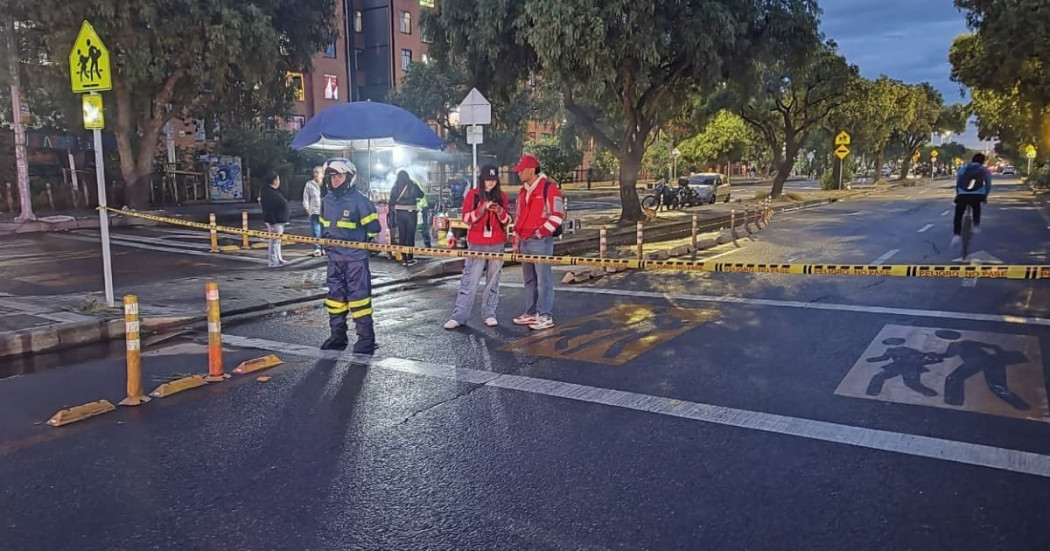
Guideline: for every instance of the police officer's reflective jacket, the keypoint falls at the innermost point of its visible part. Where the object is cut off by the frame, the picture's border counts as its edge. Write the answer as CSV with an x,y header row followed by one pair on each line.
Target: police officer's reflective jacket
x,y
349,217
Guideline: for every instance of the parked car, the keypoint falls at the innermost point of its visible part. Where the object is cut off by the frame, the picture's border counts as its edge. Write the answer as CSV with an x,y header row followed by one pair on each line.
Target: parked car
x,y
711,187
1009,171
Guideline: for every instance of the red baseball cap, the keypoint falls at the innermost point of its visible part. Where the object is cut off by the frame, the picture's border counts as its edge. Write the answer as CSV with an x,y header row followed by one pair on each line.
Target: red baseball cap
x,y
527,161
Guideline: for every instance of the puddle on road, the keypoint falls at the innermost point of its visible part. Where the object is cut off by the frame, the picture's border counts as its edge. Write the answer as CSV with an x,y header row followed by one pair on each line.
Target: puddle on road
x,y
25,365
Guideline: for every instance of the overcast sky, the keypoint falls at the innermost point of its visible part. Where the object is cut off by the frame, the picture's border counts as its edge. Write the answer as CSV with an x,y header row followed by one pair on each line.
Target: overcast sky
x,y
907,40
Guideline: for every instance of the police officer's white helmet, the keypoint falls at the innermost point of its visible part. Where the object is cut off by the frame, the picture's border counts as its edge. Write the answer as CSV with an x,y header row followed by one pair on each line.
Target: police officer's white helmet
x,y
340,166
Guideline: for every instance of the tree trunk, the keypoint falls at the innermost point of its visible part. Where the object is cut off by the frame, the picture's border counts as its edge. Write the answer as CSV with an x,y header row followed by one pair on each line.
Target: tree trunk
x,y
25,195
906,167
880,160
631,207
136,163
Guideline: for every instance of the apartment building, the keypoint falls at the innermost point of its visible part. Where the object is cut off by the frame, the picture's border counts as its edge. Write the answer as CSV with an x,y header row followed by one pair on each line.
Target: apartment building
x,y
385,38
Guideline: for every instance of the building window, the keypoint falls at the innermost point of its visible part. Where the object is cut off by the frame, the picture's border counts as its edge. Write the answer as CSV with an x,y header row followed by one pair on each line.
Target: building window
x,y
330,51
295,82
426,3
406,23
424,35
532,136
406,59
359,21
331,87
296,123
545,135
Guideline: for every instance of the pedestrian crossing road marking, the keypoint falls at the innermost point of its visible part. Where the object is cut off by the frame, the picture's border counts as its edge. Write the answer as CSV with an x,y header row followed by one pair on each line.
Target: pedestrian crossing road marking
x,y
991,373
614,336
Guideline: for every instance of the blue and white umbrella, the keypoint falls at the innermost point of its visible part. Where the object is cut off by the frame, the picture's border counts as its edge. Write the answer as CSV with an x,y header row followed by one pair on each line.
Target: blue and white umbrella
x,y
365,125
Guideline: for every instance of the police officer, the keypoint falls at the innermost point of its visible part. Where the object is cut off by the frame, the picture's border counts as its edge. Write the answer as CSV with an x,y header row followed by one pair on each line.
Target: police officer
x,y
347,215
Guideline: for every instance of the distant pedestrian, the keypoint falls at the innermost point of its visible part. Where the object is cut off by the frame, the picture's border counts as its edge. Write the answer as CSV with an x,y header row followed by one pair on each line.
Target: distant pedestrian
x,y
404,200
485,211
540,213
275,214
312,205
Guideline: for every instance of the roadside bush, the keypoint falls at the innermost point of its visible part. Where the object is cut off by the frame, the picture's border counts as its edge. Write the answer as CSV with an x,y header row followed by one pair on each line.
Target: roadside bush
x,y
1040,177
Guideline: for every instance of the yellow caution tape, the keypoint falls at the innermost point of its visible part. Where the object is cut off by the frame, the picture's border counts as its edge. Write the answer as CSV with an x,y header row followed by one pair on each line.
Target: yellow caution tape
x,y
941,271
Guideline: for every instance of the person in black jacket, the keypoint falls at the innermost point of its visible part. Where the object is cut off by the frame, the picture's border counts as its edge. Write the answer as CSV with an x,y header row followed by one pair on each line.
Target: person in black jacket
x,y
404,201
275,214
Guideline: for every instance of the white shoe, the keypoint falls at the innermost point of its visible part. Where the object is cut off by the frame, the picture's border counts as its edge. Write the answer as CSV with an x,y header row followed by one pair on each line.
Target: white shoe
x,y
452,324
491,322
526,319
956,240
542,322
317,252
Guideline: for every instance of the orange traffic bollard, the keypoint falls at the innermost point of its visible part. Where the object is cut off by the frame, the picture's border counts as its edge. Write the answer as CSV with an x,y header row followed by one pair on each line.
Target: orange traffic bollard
x,y
134,353
639,237
244,225
602,243
696,225
215,371
214,233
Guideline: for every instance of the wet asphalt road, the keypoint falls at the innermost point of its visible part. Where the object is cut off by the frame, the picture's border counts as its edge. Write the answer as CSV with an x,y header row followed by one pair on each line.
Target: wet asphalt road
x,y
666,411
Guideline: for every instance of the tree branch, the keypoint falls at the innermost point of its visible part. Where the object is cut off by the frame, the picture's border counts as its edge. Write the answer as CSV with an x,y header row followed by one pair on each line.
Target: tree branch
x,y
581,116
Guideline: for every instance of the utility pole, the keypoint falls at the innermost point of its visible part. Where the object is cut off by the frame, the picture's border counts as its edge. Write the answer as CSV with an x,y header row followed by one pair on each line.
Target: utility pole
x,y
25,198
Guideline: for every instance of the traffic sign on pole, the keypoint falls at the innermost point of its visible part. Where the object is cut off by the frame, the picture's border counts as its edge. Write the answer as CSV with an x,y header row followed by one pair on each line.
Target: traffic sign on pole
x,y
94,118
89,63
843,138
1029,151
841,152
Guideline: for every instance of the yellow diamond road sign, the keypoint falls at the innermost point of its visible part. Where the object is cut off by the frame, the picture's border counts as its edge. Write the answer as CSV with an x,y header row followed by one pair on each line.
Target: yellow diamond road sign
x,y
1029,151
843,138
841,152
89,63
93,117
934,154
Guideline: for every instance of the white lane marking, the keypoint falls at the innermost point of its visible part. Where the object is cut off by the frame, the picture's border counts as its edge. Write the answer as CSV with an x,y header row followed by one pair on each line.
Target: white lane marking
x,y
792,259
940,314
925,228
858,213
946,213
122,243
882,259
969,282
902,443
727,253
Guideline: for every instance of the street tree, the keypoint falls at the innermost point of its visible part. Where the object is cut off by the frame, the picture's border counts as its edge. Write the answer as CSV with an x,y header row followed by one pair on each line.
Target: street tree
x,y
787,99
1007,55
180,59
623,69
726,139
929,116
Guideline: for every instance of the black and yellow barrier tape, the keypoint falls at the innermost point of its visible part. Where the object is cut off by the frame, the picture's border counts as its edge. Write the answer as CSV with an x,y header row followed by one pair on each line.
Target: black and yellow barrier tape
x,y
925,271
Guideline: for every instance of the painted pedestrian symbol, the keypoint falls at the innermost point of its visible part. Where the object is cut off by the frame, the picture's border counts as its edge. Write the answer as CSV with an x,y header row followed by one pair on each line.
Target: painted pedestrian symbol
x,y
992,373
614,336
89,62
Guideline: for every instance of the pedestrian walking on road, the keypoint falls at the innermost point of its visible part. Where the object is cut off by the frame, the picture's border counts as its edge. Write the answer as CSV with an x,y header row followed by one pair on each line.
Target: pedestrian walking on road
x,y
540,213
312,205
275,214
485,211
404,200
347,215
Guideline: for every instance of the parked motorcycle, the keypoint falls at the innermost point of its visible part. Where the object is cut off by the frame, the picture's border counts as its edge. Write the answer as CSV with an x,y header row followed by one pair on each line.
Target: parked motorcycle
x,y
663,196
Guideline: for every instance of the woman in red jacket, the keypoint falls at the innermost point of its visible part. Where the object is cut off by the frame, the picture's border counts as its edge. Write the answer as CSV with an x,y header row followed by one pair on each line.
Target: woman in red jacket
x,y
486,211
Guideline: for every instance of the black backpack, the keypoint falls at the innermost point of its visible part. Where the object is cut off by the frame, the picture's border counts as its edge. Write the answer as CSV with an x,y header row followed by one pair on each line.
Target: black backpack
x,y
972,178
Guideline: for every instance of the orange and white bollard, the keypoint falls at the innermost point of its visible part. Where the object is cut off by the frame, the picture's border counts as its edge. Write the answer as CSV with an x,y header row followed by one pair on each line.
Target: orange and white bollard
x,y
50,196
134,353
696,225
602,243
244,226
732,219
214,233
215,371
639,236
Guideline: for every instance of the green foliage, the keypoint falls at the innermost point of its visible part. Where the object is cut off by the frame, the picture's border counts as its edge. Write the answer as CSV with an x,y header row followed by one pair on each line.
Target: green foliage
x,y
657,159
558,158
725,139
268,150
605,164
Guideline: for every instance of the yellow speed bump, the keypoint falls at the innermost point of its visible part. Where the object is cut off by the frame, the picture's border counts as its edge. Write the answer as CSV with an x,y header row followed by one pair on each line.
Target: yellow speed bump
x,y
79,413
258,364
178,385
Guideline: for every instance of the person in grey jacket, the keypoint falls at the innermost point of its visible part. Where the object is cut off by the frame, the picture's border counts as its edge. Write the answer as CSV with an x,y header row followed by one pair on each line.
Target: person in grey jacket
x,y
275,214
312,205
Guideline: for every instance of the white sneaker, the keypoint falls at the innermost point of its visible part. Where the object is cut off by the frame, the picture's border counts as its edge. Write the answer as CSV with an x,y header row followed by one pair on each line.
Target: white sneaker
x,y
542,322
452,324
956,240
525,319
491,322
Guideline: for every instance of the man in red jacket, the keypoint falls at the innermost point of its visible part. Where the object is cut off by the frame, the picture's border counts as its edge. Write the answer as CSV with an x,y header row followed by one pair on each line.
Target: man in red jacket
x,y
540,213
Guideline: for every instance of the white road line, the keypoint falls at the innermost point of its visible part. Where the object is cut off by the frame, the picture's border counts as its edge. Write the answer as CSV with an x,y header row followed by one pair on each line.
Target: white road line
x,y
925,228
882,259
970,282
122,243
909,312
946,213
727,253
907,444
858,213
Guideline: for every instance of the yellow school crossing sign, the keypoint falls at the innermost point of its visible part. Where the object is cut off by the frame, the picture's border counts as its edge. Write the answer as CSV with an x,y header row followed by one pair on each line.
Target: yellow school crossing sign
x,y
843,138
93,114
89,63
1029,151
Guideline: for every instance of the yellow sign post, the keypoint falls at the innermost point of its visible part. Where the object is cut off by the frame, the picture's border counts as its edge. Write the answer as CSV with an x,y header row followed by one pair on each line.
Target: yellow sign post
x,y
89,73
93,116
89,63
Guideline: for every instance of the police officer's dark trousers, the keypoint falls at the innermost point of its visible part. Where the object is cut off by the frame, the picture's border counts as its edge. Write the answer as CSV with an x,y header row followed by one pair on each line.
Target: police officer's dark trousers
x,y
350,294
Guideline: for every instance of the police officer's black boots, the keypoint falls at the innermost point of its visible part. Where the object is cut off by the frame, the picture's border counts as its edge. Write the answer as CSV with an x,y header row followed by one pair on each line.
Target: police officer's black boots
x,y
335,342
